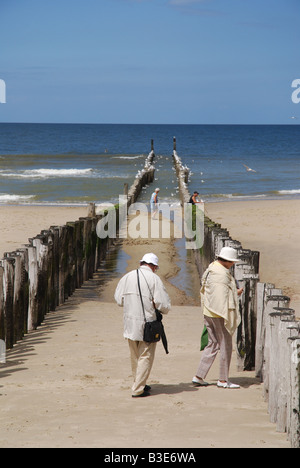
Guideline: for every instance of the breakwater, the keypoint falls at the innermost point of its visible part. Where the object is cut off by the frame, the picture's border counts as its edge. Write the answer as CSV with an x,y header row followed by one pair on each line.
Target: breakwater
x,y
268,338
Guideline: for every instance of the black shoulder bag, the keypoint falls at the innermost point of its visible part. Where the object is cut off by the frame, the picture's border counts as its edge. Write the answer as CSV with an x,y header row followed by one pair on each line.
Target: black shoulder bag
x,y
153,331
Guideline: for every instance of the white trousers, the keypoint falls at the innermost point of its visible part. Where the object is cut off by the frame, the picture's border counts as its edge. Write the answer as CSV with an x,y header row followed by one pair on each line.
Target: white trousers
x,y
142,357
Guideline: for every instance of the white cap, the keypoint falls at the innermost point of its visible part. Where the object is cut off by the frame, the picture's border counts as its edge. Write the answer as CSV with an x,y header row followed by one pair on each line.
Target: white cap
x,y
157,190
229,254
150,258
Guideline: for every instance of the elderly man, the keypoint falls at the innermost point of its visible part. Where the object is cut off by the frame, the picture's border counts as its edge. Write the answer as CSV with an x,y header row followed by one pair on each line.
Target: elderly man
x,y
219,299
154,296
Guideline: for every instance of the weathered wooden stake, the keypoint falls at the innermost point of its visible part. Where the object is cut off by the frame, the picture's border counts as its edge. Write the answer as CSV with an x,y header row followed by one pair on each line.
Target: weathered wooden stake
x,y
294,394
92,210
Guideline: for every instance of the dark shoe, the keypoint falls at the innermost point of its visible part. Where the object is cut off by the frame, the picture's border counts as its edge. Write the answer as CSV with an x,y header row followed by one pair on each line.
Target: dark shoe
x,y
144,394
147,388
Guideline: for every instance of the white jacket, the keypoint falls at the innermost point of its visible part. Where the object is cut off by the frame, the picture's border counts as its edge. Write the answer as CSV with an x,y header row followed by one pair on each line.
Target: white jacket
x,y
127,295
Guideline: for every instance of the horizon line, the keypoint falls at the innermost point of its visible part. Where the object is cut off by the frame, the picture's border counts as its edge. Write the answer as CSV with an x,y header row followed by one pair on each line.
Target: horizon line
x,y
131,123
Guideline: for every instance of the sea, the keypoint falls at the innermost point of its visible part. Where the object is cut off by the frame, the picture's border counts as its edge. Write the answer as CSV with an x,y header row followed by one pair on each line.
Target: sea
x,y
75,164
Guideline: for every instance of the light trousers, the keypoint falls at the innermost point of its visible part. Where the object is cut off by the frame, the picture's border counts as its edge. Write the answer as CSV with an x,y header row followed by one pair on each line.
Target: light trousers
x,y
219,339
142,356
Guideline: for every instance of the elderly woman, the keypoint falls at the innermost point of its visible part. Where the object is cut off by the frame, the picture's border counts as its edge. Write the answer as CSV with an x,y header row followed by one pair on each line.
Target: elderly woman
x,y
219,300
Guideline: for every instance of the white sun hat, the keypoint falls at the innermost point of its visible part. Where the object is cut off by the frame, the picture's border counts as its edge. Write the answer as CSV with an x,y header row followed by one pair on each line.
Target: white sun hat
x,y
229,254
150,258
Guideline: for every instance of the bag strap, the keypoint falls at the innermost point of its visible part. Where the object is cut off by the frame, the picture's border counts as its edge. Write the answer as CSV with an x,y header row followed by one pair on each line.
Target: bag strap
x,y
148,286
158,314
203,283
138,280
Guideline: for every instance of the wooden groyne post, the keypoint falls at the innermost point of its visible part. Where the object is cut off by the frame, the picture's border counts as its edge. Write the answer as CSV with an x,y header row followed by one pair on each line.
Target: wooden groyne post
x,y
143,177
182,173
277,362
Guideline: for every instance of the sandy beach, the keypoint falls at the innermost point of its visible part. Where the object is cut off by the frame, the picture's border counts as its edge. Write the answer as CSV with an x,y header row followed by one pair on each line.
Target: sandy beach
x,y
68,383
273,228
21,222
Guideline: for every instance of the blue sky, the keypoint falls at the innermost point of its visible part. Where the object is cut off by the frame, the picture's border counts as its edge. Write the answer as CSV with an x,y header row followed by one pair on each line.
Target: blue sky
x,y
150,61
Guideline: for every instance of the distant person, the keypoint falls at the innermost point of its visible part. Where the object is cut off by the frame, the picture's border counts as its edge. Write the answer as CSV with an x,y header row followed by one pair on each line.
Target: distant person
x,y
154,202
194,198
220,305
154,296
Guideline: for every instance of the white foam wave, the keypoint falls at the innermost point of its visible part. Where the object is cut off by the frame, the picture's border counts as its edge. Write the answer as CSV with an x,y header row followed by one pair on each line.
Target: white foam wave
x,y
57,172
6,198
47,173
289,192
60,173
129,157
231,196
244,196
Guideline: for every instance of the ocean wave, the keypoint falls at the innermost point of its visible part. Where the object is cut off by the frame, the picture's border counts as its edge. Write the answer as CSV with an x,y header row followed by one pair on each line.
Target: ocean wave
x,y
60,173
57,172
129,157
6,198
46,173
289,192
233,195
238,196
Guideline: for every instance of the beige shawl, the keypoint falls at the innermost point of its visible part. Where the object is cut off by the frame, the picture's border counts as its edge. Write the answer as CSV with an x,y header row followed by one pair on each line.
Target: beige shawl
x,y
219,295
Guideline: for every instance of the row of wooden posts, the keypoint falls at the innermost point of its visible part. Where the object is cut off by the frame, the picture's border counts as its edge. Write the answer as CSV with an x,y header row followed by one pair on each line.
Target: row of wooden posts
x,y
268,339
40,276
